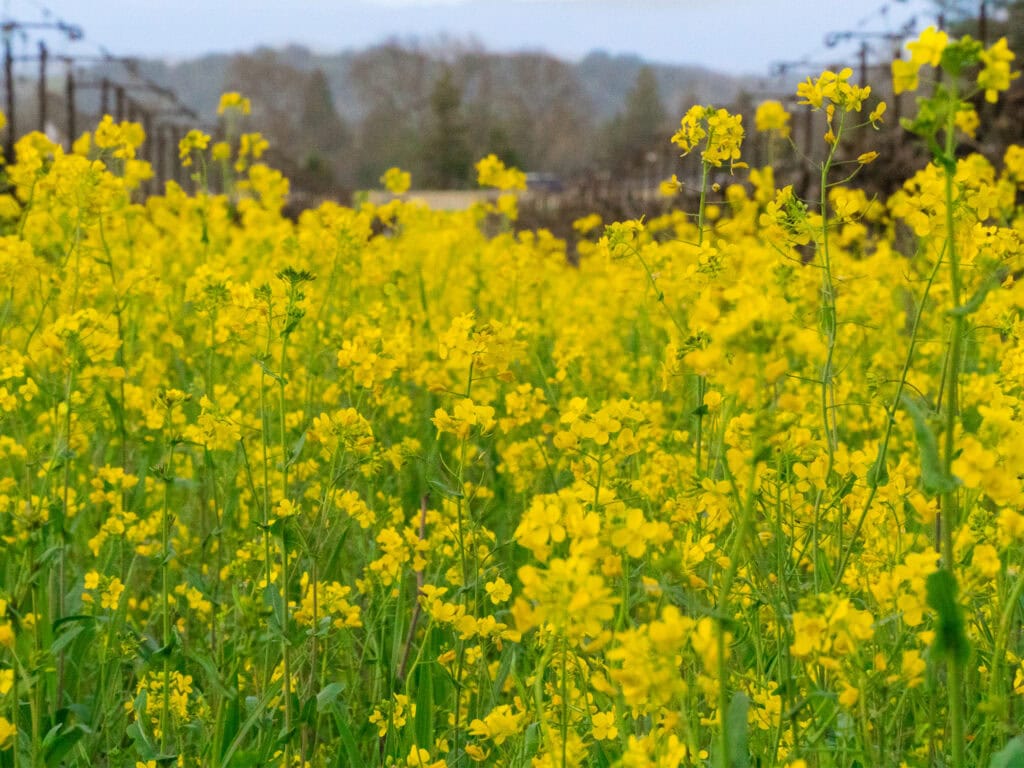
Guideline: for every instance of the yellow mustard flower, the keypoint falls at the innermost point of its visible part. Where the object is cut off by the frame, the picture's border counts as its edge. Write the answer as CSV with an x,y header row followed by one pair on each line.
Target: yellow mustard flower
x,y
396,181
232,100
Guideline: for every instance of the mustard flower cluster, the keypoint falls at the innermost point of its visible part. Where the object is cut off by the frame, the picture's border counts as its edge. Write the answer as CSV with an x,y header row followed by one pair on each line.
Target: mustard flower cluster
x,y
393,486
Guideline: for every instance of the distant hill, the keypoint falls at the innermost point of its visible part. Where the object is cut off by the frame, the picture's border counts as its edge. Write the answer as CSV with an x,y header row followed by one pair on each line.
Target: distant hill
x,y
336,121
605,78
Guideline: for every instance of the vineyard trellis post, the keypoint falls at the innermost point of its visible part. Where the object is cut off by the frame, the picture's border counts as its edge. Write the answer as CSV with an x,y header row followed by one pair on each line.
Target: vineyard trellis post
x,y
9,86
69,92
44,55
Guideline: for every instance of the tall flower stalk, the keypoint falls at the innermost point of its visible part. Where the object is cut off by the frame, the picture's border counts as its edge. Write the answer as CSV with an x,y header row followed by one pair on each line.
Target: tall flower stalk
x,y
938,120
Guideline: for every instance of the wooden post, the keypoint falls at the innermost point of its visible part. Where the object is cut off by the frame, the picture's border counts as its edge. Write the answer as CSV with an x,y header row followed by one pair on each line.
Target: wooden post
x,y
69,93
805,175
179,170
9,80
43,56
896,97
104,97
147,127
147,150
160,150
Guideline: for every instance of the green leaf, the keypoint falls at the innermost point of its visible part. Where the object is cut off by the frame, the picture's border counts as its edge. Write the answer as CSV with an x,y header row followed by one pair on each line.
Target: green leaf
x,y
137,730
448,491
933,477
48,556
231,720
531,741
508,658
424,722
115,409
848,482
258,707
878,475
285,735
267,371
1010,756
297,450
348,740
603,761
974,303
65,638
78,617
736,723
272,599
68,628
165,652
950,635
959,55
59,741
212,673
246,758
328,695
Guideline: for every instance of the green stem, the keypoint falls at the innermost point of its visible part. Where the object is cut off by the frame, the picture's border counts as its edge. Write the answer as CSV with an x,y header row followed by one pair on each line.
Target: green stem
x,y
268,570
701,379
950,505
828,293
659,295
875,480
702,204
722,610
165,583
565,703
460,517
285,652
36,700
829,323
997,680
8,306
119,354
460,499
282,383
538,688
61,533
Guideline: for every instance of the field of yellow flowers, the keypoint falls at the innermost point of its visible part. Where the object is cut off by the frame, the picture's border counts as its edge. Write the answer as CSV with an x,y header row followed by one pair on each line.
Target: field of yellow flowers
x,y
387,486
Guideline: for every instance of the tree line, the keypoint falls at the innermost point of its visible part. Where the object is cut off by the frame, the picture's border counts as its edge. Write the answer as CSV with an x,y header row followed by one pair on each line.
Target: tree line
x,y
337,122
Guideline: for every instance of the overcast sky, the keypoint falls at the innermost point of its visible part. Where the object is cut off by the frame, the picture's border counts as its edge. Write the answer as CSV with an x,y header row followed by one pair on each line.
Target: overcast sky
x,y
737,36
